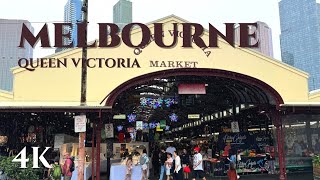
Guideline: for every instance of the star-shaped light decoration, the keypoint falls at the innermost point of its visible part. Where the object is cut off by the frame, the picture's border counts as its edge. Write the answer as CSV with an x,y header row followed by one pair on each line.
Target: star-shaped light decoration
x,y
167,128
143,101
157,103
152,125
132,118
119,128
173,117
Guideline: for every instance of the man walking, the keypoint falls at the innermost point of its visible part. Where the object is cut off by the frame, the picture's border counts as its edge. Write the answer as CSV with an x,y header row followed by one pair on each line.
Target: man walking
x,y
197,165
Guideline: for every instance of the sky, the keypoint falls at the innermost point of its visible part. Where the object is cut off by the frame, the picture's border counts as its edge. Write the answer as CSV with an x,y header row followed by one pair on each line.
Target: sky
x,y
204,12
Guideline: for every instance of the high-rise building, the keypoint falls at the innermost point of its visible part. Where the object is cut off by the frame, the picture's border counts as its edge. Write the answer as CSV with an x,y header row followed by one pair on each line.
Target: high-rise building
x,y
122,13
263,34
300,37
10,53
72,14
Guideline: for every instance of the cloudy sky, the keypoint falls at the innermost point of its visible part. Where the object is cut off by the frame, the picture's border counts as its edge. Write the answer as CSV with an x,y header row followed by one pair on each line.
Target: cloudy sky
x,y
204,12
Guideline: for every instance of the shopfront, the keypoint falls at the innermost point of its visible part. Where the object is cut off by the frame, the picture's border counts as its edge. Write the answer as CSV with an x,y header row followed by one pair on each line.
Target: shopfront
x,y
226,95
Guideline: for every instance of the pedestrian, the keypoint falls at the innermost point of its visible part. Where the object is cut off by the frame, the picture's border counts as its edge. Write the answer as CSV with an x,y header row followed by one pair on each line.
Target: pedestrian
x,y
197,165
168,163
170,149
66,169
129,168
178,168
232,173
270,160
163,158
144,160
55,171
185,164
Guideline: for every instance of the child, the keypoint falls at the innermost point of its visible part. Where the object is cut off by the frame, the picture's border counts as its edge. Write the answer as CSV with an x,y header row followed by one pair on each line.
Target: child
x,y
232,173
168,165
129,168
55,172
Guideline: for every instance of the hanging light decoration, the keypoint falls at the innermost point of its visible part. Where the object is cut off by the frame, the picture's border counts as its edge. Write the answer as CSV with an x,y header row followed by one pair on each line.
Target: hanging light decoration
x,y
157,103
167,128
169,102
173,117
145,125
119,128
143,101
132,118
152,125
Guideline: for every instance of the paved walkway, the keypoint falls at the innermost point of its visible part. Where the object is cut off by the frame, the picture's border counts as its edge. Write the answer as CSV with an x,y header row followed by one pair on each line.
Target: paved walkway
x,y
293,176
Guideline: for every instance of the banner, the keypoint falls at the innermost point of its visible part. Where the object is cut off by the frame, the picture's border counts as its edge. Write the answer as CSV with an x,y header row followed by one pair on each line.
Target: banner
x,y
109,130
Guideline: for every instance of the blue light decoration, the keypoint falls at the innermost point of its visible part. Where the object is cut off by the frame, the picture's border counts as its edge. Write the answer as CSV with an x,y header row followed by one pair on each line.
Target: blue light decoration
x,y
169,102
143,101
119,128
173,117
132,118
157,103
167,128
152,125
145,125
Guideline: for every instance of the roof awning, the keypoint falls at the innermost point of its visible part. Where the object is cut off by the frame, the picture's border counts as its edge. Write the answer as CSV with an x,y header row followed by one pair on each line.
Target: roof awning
x,y
51,107
301,107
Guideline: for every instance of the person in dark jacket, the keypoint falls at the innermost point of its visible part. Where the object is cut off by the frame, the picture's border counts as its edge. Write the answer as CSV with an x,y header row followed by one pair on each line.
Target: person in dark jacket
x,y
162,159
185,164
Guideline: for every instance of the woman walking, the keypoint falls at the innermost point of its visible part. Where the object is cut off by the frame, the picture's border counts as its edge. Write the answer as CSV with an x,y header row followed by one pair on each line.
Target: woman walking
x,y
185,164
178,169
144,160
129,168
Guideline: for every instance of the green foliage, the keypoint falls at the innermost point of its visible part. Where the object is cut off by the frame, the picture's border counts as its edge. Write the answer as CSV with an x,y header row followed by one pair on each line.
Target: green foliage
x,y
14,171
316,160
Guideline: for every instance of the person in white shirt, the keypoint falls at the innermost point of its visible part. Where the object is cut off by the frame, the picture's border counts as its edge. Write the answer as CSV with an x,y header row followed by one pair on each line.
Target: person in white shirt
x,y
178,169
197,165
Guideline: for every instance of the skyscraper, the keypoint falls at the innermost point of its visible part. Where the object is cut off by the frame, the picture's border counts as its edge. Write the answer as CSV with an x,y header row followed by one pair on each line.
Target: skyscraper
x,y
122,13
72,14
10,33
300,37
264,35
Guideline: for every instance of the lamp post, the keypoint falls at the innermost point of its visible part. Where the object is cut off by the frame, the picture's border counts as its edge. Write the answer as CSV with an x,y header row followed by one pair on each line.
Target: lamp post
x,y
82,135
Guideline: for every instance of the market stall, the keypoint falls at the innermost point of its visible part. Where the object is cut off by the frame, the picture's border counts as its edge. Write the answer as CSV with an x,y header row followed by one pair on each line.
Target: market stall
x,y
251,149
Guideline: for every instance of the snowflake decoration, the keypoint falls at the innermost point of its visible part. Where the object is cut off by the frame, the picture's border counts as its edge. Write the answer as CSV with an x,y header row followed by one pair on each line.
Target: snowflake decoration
x,y
167,128
132,117
157,103
173,117
143,101
152,125
145,125
169,102
119,128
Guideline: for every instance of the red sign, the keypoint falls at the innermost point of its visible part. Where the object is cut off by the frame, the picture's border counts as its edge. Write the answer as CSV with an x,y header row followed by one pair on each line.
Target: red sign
x,y
192,89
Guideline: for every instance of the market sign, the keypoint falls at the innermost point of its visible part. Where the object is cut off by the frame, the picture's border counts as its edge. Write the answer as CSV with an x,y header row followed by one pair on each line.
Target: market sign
x,y
193,116
80,123
119,116
192,89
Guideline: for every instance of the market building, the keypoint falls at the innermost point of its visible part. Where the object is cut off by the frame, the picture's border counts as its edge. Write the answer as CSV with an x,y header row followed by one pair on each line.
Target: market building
x,y
216,98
